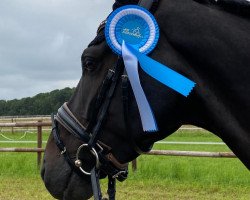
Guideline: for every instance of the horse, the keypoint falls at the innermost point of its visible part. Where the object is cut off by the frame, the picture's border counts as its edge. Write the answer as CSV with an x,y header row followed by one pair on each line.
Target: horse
x,y
207,41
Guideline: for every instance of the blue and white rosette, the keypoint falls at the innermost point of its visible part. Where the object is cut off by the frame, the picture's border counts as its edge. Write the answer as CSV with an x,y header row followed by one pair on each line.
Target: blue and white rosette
x,y
132,32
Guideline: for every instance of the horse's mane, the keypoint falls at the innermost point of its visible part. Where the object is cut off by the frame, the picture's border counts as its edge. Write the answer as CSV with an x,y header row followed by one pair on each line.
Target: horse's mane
x,y
238,7
228,3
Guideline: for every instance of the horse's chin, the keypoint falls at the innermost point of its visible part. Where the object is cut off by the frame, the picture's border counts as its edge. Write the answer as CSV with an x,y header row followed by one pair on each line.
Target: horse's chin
x,y
64,184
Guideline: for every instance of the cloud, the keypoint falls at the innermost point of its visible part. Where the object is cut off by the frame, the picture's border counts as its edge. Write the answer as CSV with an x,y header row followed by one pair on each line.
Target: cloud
x,y
41,43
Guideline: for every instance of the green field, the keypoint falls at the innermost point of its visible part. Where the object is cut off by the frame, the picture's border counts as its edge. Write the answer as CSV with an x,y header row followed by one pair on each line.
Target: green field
x,y
157,177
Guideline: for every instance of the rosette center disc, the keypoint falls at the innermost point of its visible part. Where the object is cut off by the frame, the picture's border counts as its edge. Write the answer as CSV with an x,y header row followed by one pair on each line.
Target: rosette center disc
x,y
134,25
132,29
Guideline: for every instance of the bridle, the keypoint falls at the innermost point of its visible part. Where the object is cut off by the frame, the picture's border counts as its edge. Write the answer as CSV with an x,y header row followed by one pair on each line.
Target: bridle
x,y
104,160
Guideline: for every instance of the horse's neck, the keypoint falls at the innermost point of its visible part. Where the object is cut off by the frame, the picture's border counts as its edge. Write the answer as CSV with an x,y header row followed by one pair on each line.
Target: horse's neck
x,y
220,104
223,89
224,112
216,46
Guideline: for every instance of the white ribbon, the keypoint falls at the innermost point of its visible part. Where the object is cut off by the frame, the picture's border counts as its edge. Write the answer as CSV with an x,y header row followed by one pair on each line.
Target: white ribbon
x,y
131,65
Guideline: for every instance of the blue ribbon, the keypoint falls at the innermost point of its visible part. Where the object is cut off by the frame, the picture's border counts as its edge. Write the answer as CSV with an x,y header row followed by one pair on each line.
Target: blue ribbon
x,y
158,71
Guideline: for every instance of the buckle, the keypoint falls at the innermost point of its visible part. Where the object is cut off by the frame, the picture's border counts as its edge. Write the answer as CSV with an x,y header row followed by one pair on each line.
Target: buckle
x,y
121,175
63,151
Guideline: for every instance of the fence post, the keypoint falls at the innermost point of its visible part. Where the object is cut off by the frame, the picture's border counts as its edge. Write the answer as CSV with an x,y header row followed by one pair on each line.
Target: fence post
x,y
39,144
134,165
12,128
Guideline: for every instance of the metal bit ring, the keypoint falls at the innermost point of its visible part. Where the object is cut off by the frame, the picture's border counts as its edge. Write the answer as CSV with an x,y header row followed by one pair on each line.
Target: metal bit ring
x,y
78,162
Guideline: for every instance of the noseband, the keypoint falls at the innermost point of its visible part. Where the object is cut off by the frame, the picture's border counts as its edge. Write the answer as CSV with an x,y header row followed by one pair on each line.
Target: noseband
x,y
104,160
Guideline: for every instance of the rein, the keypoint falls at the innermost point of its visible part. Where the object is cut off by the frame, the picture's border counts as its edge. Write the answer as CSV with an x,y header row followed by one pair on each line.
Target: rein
x,y
105,161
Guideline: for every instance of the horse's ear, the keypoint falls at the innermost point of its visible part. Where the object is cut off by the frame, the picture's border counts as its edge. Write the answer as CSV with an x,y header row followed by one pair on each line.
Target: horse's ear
x,y
119,3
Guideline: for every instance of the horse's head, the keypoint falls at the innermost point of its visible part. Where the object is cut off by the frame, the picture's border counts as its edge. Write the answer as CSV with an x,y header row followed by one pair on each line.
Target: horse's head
x,y
104,107
122,130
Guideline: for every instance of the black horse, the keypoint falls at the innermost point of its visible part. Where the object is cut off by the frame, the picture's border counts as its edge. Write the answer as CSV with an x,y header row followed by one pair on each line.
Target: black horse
x,y
207,41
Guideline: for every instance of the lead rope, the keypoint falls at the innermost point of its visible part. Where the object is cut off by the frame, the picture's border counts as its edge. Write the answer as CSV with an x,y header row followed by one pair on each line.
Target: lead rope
x,y
95,181
111,188
96,184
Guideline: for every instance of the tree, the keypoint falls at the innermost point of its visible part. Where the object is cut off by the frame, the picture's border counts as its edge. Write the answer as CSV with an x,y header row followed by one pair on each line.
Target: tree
x,y
41,104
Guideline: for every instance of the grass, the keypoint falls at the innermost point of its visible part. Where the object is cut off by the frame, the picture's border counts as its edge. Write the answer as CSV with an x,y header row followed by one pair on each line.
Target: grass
x,y
157,177
23,188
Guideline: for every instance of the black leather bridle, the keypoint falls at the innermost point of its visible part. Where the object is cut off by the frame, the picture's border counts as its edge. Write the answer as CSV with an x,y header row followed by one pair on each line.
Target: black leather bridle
x,y
105,161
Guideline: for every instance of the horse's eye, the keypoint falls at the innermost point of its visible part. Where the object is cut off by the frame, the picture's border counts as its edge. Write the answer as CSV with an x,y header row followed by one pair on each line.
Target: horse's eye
x,y
89,63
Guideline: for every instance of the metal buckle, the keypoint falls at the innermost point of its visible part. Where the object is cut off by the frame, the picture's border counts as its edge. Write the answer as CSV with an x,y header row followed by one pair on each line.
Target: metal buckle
x,y
112,71
63,151
124,76
78,162
120,173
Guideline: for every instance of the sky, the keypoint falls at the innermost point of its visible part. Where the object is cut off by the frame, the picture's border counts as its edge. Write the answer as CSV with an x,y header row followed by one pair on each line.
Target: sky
x,y
41,42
